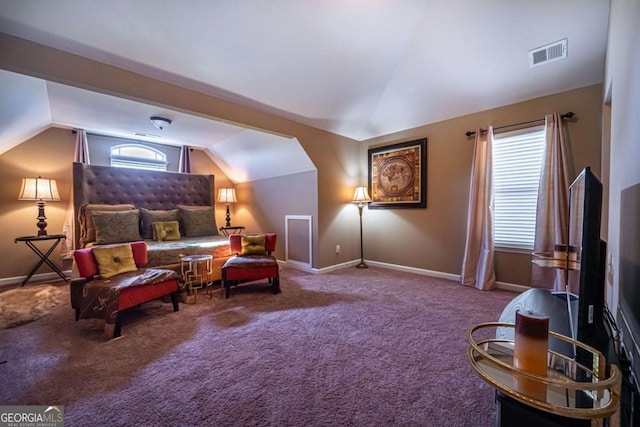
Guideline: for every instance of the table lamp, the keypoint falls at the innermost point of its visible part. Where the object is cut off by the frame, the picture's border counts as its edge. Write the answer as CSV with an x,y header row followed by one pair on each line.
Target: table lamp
x,y
227,195
361,197
40,189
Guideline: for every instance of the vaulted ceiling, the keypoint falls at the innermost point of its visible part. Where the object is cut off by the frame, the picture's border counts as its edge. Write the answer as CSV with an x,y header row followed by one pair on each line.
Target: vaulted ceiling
x,y
353,67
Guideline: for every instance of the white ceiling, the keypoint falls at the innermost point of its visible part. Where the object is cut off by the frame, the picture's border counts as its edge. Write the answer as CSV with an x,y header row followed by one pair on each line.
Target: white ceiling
x,y
359,68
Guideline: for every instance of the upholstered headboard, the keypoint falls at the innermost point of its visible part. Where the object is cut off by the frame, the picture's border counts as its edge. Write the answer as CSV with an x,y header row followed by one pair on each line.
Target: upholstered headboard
x,y
142,188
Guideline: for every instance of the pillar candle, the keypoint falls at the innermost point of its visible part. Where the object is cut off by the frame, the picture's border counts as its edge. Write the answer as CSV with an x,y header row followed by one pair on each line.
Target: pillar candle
x,y
530,351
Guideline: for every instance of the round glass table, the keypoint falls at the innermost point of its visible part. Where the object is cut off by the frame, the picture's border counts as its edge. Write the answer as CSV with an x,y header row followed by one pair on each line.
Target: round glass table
x,y
570,389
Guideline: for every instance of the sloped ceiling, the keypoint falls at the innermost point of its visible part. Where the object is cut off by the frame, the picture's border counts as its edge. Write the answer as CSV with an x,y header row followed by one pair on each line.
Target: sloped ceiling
x,y
356,68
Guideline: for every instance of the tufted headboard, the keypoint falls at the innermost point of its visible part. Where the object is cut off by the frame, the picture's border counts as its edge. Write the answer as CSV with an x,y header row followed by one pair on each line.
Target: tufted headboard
x,y
142,188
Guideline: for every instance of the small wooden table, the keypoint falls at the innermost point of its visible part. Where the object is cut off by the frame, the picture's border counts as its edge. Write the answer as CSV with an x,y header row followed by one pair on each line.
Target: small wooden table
x,y
44,256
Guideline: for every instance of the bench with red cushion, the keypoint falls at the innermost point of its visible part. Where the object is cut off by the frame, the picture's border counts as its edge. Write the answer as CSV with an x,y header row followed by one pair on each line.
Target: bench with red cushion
x,y
92,297
246,268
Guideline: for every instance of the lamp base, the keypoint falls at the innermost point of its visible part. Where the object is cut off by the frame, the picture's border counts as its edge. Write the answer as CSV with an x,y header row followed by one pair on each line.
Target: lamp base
x,y
362,265
42,224
228,217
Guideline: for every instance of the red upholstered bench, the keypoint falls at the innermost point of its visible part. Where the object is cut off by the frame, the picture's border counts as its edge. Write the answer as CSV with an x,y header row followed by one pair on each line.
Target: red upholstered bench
x,y
243,268
106,298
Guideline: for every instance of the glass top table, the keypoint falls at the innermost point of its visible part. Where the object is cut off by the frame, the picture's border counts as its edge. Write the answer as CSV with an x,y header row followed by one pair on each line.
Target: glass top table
x,y
569,389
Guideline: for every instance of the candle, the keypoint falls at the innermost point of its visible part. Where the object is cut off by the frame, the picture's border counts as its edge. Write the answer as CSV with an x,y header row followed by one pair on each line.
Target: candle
x,y
530,352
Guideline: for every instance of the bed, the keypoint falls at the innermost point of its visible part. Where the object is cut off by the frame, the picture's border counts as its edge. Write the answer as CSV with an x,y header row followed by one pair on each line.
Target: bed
x,y
119,193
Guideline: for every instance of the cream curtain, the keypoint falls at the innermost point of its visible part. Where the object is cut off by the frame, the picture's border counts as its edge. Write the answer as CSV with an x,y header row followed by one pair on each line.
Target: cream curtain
x,y
552,217
185,159
81,156
478,266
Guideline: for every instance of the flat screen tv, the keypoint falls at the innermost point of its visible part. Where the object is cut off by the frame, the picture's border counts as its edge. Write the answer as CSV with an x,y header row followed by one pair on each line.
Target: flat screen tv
x,y
585,206
629,275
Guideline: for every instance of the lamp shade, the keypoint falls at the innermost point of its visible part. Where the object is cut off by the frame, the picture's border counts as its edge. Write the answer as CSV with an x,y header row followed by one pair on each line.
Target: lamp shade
x,y
227,195
39,189
361,195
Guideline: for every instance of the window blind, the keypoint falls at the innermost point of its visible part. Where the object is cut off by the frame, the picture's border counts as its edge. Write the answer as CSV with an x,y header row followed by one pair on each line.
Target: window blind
x,y
517,161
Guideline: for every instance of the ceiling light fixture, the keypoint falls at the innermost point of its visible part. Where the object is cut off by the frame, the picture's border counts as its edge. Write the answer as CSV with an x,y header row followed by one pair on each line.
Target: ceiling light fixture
x,y
160,122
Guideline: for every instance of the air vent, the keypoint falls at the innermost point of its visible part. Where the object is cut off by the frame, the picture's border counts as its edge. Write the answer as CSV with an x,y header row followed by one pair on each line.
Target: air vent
x,y
146,135
549,53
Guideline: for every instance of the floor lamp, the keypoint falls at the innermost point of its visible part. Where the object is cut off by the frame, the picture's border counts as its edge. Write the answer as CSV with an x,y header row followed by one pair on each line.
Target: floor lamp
x,y
361,197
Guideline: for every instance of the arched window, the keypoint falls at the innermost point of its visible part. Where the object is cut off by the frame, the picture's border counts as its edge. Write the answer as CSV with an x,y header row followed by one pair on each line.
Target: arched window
x,y
137,156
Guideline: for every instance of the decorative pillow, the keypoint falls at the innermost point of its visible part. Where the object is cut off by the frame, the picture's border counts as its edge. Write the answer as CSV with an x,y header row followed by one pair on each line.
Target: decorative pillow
x,y
198,221
116,227
114,260
166,230
87,227
148,217
253,245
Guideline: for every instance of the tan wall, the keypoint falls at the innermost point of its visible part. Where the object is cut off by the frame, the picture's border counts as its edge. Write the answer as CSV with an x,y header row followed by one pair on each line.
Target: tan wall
x,y
263,204
49,155
334,156
431,239
434,238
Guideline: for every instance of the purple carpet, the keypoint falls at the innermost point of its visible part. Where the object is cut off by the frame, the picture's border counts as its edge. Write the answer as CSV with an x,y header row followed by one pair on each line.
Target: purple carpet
x,y
356,347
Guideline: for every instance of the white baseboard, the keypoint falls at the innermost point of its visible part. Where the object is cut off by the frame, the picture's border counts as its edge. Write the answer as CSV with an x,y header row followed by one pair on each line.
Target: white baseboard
x,y
312,270
511,287
53,276
421,271
414,270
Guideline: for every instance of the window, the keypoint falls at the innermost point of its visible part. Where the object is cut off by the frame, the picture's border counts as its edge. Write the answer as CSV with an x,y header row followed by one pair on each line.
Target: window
x,y
137,156
517,161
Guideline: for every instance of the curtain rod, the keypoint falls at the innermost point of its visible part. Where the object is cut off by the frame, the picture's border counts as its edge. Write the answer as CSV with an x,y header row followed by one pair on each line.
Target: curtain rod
x,y
568,115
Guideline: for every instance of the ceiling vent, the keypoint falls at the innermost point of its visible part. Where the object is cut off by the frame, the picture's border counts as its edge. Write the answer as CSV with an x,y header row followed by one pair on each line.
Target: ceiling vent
x,y
549,53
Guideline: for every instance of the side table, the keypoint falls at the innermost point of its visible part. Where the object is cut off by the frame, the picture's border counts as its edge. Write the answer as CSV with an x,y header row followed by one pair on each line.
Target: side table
x,y
196,272
44,256
231,230
569,400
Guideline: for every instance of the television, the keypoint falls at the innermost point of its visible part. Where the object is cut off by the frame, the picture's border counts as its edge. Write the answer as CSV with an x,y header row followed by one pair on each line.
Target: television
x,y
587,281
628,317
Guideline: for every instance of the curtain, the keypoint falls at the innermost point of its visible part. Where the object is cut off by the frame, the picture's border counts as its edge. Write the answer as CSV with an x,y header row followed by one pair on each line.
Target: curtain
x,y
81,156
552,214
477,265
185,159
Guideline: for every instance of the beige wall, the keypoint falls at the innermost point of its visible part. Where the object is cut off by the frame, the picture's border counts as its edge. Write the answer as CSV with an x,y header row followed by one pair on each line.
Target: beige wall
x,y
434,238
263,204
334,156
431,239
49,155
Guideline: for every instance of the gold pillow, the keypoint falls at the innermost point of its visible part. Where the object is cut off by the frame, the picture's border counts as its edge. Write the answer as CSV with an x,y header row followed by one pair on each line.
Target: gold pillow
x,y
166,230
113,260
253,245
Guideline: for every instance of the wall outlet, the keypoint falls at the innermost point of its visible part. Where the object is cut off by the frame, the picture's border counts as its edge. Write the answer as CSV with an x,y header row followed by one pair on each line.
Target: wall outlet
x,y
337,249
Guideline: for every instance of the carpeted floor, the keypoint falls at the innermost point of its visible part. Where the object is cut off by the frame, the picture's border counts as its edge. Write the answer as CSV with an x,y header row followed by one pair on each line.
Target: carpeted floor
x,y
356,347
26,304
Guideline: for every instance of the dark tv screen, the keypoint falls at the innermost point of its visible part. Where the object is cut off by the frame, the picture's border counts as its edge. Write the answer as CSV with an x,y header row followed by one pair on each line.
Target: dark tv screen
x,y
584,235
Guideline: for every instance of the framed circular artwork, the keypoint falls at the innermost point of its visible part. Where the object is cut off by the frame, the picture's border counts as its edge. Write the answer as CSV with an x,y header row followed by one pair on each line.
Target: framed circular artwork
x,y
397,175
